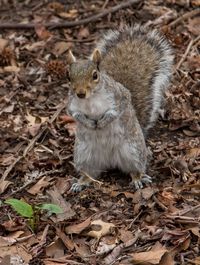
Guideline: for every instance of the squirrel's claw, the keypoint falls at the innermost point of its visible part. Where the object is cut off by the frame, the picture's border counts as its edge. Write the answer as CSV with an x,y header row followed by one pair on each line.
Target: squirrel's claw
x,y
138,182
80,184
77,187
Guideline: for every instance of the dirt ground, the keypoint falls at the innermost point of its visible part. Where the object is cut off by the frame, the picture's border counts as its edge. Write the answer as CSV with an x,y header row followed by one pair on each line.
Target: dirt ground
x,y
109,222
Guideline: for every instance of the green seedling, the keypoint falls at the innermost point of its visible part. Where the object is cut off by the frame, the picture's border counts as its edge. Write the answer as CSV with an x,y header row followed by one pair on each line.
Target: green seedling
x,y
31,212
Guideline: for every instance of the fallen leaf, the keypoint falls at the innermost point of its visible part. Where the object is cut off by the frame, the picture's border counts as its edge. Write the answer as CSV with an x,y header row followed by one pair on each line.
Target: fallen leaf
x,y
65,239
56,198
167,259
55,249
193,152
4,185
125,235
78,228
11,239
3,44
42,32
83,33
10,69
151,257
105,229
193,26
42,183
73,13
61,47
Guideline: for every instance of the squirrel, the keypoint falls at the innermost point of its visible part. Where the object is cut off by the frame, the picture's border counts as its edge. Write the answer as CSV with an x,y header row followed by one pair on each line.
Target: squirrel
x,y
115,96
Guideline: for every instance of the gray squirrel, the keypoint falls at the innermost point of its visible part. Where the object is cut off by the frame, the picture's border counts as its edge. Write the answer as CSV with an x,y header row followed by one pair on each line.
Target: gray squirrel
x,y
115,97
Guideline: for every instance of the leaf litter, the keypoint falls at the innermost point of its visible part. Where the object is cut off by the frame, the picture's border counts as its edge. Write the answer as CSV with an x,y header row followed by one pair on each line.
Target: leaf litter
x,y
110,223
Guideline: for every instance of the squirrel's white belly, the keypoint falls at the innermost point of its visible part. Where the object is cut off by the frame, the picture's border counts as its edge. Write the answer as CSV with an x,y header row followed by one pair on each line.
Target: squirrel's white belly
x,y
101,147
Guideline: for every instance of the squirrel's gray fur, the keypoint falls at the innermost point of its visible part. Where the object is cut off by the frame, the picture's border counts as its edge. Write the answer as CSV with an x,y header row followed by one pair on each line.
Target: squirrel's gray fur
x,y
133,66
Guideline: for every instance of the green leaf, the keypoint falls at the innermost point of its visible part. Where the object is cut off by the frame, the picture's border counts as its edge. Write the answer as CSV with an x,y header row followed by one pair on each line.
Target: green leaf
x,y
21,207
51,208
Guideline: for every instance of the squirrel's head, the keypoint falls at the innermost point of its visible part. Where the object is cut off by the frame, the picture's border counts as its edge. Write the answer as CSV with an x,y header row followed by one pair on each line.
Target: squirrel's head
x,y
84,75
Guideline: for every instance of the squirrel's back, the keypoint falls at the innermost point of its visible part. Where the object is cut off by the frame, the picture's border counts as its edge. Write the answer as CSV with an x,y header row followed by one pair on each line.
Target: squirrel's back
x,y
141,60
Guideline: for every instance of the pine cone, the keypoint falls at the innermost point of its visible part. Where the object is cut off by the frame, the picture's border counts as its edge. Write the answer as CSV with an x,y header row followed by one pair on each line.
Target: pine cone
x,y
6,56
56,69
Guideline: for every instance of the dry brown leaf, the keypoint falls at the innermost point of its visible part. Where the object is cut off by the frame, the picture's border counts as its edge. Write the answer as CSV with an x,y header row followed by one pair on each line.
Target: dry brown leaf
x,y
83,33
194,26
34,123
125,235
55,249
78,228
10,69
3,44
61,47
35,46
147,193
42,32
195,231
136,197
73,13
57,199
42,183
167,259
4,184
195,2
11,239
65,239
13,225
193,152
105,229
151,257
83,250
18,250
195,261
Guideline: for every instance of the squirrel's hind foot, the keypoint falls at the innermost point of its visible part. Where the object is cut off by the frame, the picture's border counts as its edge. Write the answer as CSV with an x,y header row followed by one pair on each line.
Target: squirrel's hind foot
x,y
80,184
139,180
77,187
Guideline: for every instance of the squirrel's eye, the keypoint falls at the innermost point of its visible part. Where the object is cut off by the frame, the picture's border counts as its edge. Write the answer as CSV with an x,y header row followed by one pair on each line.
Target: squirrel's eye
x,y
95,75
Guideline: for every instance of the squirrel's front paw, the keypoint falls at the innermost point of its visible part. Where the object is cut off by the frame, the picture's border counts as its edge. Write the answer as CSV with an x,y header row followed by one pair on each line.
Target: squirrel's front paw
x,y
106,119
91,124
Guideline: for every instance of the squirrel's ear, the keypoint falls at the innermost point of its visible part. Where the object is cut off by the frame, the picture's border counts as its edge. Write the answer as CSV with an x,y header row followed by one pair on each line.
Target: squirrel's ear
x,y
96,56
70,57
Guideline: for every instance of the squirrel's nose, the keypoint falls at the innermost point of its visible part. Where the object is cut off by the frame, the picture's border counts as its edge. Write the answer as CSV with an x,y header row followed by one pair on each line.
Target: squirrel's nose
x,y
81,95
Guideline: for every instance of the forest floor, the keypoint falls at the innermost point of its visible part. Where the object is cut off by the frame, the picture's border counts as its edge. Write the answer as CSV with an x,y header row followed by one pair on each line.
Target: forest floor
x,y
109,222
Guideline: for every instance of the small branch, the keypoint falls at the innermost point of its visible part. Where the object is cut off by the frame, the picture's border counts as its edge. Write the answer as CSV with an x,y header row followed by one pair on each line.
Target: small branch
x,y
68,24
184,17
191,43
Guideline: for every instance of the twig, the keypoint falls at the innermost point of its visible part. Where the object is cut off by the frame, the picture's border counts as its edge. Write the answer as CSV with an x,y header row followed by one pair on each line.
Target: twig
x,y
184,17
76,40
162,206
105,4
191,43
32,143
68,24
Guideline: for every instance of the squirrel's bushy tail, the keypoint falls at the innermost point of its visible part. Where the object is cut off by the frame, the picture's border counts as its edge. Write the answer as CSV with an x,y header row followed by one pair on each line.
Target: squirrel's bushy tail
x,y
141,59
